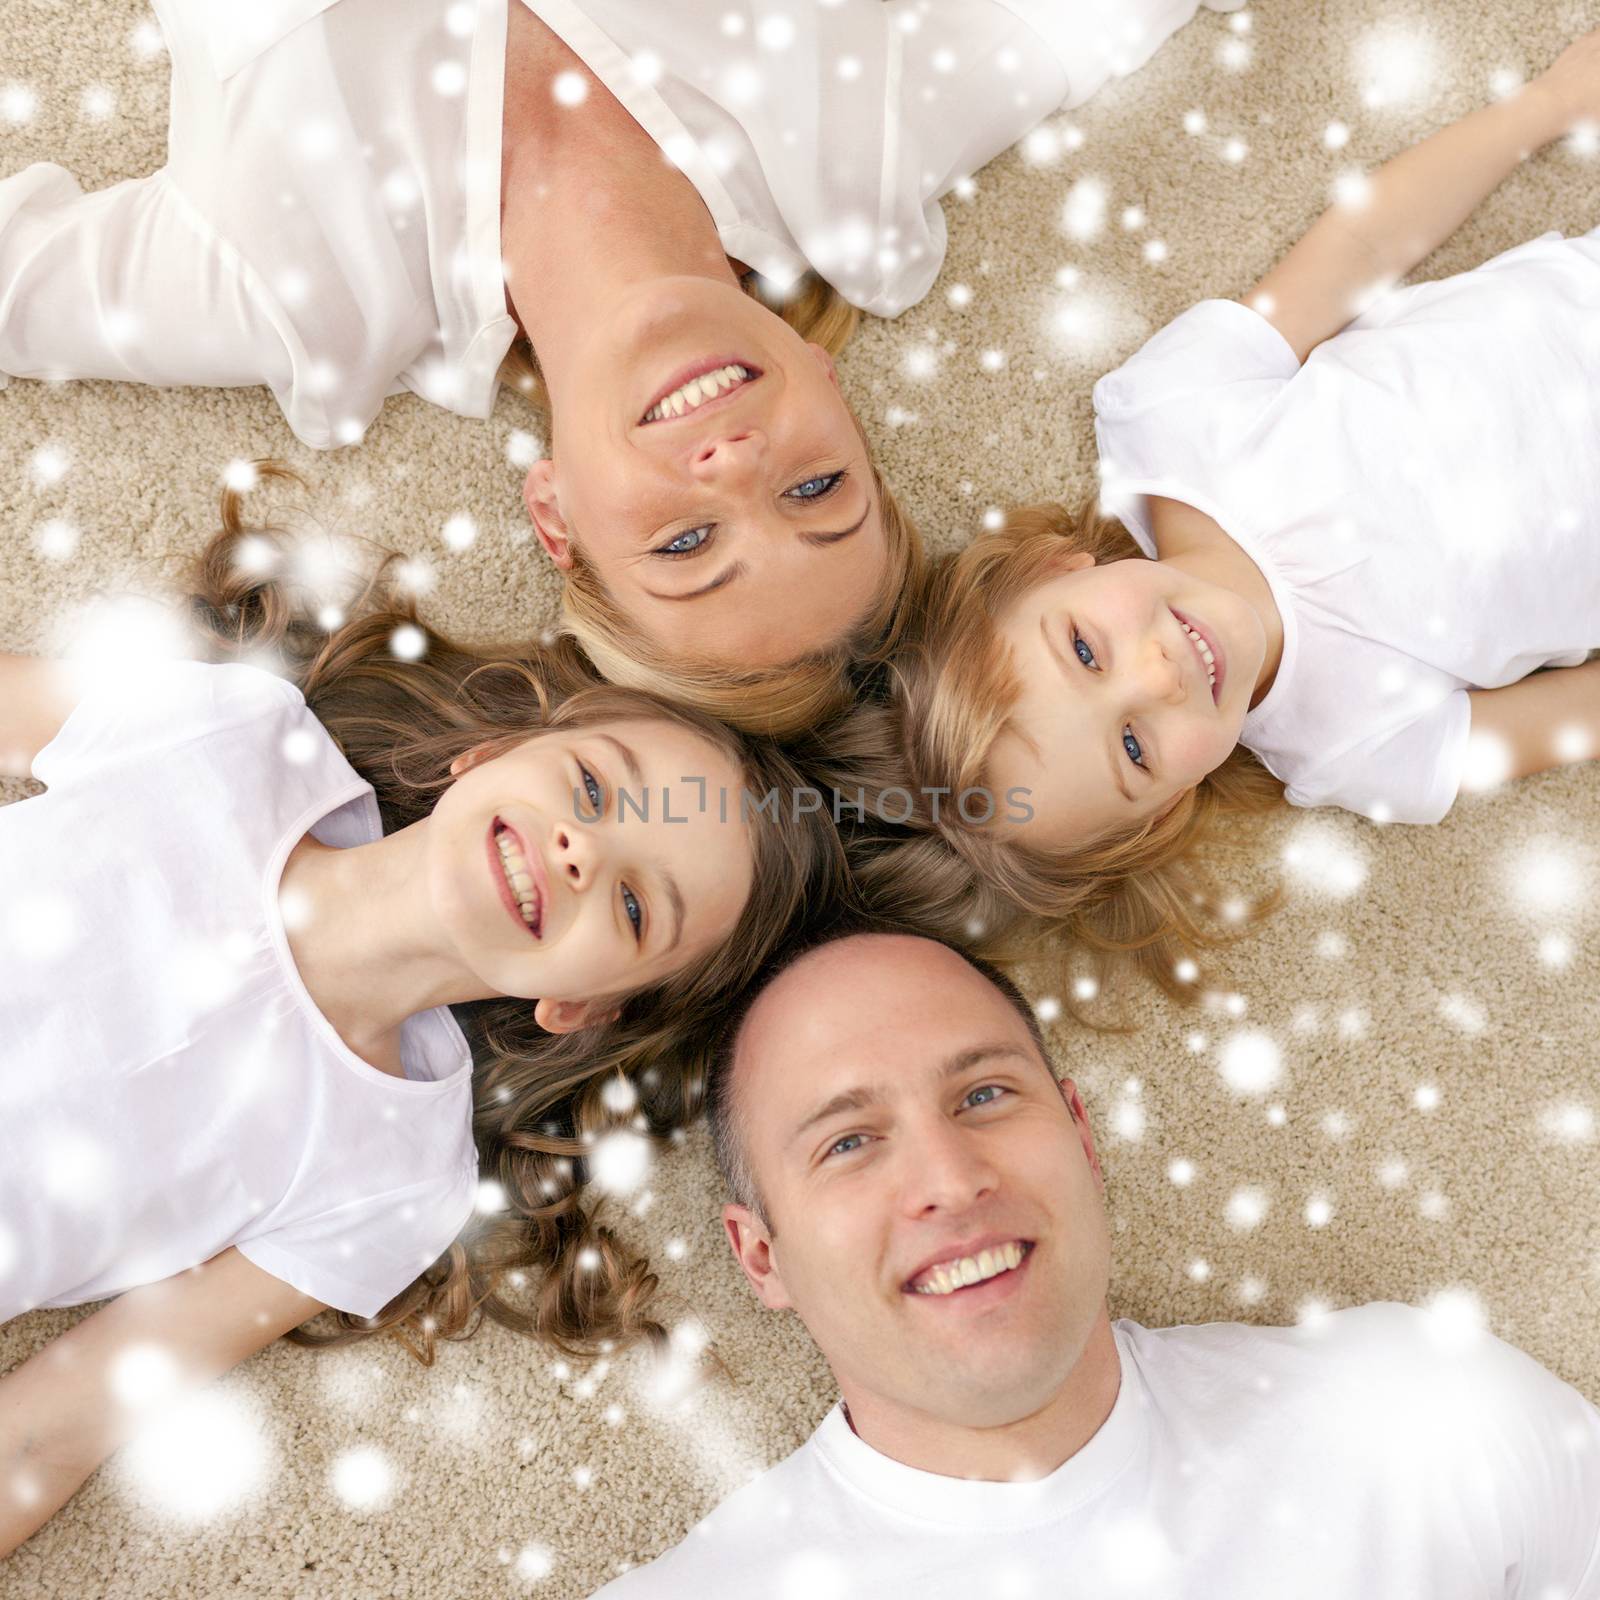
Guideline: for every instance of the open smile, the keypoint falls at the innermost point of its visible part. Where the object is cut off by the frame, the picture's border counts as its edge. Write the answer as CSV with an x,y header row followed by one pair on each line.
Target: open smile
x,y
518,877
993,1268
699,387
1207,651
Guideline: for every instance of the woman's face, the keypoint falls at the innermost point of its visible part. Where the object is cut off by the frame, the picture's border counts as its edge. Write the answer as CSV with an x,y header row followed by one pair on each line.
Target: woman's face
x,y
738,526
1119,713
589,862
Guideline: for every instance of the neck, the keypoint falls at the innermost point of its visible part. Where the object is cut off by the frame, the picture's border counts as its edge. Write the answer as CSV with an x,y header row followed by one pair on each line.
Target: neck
x,y
1031,1447
363,940
589,206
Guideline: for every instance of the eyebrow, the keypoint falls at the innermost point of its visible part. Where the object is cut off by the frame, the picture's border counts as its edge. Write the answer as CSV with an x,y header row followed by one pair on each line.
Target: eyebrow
x,y
629,759
738,569
868,1094
1116,766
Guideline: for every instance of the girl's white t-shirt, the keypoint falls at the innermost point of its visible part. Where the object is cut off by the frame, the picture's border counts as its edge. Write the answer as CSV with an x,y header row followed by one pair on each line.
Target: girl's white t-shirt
x,y
328,221
1367,1456
1423,496
167,1086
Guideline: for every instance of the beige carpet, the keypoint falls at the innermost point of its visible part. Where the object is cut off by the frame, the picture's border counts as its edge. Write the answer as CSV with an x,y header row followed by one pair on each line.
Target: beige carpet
x,y
1433,992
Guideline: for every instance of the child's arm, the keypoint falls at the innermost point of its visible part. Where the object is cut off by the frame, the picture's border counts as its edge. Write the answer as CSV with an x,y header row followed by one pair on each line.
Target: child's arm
x,y
1416,201
1545,720
60,1414
34,701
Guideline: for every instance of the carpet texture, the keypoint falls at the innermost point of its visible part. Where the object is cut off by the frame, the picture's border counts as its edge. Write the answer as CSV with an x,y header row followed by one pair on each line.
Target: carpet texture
x,y
1431,994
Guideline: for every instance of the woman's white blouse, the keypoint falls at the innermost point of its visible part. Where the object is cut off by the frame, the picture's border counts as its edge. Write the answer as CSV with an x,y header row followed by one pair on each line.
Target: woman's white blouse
x,y
328,221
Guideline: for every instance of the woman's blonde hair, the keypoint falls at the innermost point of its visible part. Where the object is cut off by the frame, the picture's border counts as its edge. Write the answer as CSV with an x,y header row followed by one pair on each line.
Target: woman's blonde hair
x,y
781,700
1137,898
540,1100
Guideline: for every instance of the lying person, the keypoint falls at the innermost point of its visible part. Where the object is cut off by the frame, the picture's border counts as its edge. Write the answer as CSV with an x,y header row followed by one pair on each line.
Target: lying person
x,y
295,965
1339,550
912,1182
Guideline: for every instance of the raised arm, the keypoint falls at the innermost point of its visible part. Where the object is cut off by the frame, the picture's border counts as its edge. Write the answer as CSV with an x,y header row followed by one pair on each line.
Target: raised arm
x,y
35,698
60,1415
1413,203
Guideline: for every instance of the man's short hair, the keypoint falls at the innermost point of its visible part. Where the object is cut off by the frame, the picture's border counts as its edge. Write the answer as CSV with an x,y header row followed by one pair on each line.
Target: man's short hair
x,y
722,1110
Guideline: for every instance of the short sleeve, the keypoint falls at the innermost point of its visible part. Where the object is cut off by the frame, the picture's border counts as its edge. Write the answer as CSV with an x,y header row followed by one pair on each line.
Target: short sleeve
x,y
1411,773
138,710
358,1256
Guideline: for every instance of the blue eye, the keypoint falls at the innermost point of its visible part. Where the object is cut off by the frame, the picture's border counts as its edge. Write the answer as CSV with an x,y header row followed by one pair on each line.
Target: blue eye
x,y
993,1090
1133,747
844,1146
633,912
1082,649
676,546
816,488
592,789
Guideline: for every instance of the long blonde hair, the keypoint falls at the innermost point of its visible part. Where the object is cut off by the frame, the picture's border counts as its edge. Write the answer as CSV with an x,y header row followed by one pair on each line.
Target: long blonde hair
x,y
1139,898
540,1100
778,701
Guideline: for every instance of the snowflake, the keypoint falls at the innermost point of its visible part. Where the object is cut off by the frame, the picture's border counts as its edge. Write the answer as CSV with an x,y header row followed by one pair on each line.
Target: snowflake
x,y
1454,1319
1180,1172
490,1197
620,1161
362,1478
1393,1173
1574,742
1488,762
1083,215
408,642
959,295
1568,1123
1246,1209
1324,858
776,33
1336,136
18,104
1352,191
1155,251
1234,151
569,88
1235,54
1128,1120
56,540
1465,1013
1199,1270
1555,950
1319,1211
200,1458
534,1562
1395,66
1544,878
1194,122
459,531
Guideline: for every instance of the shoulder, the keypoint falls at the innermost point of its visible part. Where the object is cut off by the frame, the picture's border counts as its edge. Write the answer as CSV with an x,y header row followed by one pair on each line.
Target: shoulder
x,y
734,1549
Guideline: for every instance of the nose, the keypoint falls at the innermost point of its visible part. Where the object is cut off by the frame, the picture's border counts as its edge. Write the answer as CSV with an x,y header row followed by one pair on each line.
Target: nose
x,y
574,855
728,458
949,1172
1158,672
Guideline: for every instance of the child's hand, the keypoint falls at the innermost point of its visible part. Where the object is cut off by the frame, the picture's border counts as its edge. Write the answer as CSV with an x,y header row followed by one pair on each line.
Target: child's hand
x,y
1570,85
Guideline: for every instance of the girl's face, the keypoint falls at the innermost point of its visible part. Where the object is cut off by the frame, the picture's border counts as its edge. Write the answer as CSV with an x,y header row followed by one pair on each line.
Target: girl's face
x,y
742,526
589,862
1120,710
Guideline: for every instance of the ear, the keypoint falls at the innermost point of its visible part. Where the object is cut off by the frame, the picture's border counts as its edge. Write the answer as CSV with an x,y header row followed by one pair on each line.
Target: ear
x,y
567,1016
752,1249
825,361
539,495
468,759
1075,1107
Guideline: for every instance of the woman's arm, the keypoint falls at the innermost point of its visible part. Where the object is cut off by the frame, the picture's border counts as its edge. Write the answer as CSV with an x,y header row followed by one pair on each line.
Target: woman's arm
x,y
60,1415
1413,203
1546,720
35,698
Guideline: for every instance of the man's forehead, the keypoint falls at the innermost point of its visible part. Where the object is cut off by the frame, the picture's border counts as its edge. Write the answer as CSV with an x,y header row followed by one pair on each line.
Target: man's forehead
x,y
858,998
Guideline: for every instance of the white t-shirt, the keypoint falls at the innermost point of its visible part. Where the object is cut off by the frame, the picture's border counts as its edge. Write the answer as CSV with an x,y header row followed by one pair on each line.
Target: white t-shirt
x,y
167,1086
1423,496
1363,1458
328,221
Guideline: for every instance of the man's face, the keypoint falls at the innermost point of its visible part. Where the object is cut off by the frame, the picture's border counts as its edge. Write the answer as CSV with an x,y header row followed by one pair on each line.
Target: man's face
x,y
905,1135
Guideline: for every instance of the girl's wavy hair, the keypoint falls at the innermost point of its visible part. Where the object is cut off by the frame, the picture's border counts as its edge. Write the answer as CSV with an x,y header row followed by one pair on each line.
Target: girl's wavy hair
x,y
780,701
544,1265
1137,898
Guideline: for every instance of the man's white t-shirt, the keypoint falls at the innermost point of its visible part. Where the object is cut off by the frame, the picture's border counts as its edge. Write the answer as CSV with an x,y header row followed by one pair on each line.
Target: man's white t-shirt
x,y
328,221
1372,1455
167,1086
1423,496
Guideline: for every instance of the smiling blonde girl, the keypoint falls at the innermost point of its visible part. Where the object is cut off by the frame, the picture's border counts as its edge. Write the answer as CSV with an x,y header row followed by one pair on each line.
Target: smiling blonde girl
x,y
288,966
1339,549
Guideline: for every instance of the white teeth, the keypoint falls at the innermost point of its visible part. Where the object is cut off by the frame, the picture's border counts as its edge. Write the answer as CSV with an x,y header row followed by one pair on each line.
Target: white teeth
x,y
518,879
948,1276
697,390
1205,652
